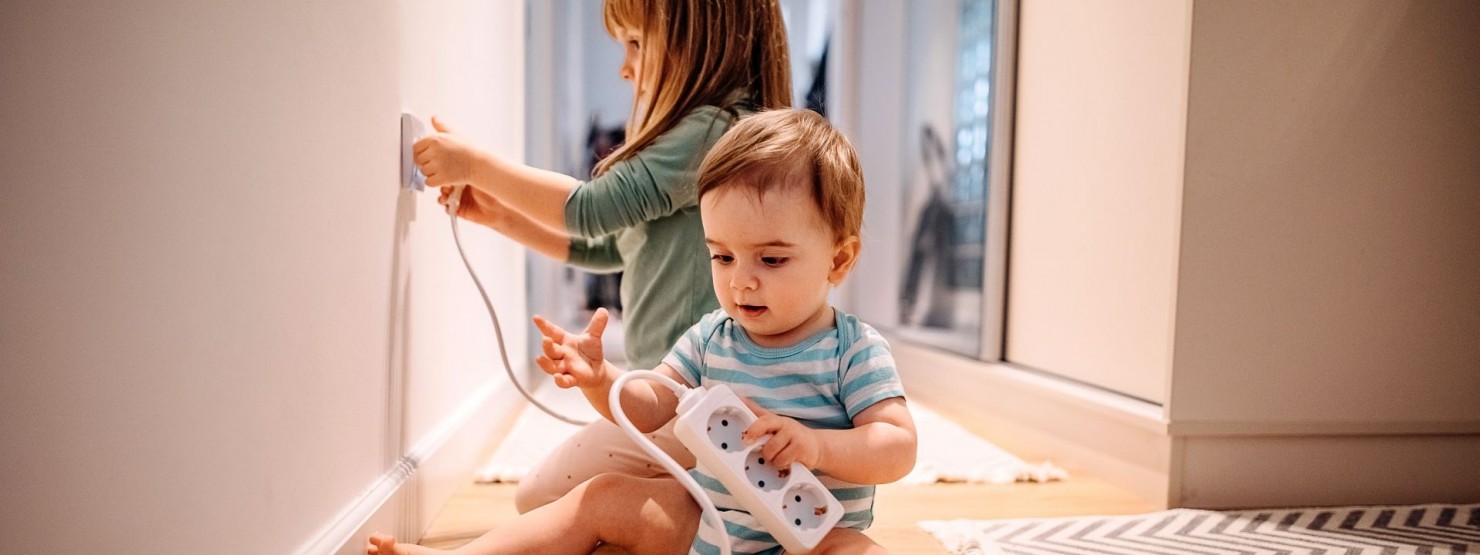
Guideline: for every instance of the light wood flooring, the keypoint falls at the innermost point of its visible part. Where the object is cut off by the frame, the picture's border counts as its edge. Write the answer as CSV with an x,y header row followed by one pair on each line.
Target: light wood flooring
x,y
481,507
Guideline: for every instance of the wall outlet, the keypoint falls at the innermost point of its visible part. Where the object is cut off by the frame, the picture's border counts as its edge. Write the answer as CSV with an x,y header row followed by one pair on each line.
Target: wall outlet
x,y
789,502
412,129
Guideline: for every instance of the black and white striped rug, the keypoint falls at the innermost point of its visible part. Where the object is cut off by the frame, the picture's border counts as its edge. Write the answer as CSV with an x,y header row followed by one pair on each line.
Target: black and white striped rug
x,y
1418,529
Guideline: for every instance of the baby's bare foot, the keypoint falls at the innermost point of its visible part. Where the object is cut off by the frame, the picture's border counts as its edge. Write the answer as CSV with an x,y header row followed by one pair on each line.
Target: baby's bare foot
x,y
382,544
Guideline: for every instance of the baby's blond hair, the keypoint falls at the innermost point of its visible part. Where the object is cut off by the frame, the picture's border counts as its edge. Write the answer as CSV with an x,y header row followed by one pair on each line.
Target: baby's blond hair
x,y
786,148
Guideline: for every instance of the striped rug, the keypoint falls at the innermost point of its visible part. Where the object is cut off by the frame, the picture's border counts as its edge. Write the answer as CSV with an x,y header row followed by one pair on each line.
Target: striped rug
x,y
1393,530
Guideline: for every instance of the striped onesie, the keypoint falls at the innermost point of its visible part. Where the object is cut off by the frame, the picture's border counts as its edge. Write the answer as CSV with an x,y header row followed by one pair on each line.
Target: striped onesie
x,y
822,382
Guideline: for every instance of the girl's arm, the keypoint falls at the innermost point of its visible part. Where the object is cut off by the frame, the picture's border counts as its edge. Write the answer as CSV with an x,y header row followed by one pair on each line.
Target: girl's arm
x,y
538,194
658,182
447,158
532,234
479,207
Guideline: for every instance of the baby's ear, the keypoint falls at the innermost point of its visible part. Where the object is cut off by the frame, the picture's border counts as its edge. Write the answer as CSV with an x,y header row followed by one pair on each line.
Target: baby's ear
x,y
845,255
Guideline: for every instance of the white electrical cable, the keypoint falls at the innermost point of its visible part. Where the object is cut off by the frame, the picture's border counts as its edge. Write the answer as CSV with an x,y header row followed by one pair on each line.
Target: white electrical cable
x,y
614,402
453,202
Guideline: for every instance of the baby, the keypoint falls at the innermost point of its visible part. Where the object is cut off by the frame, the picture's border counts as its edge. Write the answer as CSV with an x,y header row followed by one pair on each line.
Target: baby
x,y
781,200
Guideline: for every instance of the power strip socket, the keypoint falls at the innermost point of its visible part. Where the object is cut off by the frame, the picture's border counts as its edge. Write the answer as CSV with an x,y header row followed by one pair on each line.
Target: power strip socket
x,y
790,503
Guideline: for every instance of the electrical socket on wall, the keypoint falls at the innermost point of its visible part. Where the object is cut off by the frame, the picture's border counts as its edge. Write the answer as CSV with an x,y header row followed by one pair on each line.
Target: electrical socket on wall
x,y
789,502
412,129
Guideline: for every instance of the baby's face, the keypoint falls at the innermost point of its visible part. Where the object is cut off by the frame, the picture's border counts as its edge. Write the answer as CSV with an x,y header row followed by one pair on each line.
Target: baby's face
x,y
772,260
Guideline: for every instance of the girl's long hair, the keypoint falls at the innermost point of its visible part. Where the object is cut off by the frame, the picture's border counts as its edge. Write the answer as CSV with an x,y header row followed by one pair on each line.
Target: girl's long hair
x,y
696,53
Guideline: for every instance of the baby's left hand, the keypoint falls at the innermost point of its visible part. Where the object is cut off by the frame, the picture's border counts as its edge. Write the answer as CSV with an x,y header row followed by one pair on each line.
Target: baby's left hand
x,y
790,441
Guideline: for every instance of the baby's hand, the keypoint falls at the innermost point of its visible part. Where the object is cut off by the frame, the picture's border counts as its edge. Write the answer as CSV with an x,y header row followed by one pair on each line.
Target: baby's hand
x,y
574,360
447,158
790,441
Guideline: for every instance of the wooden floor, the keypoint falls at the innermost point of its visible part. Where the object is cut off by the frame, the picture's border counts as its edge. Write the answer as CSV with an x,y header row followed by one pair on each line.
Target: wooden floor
x,y
479,508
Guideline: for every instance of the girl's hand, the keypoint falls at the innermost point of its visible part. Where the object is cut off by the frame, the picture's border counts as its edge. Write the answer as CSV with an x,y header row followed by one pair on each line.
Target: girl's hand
x,y
574,360
790,440
447,158
476,206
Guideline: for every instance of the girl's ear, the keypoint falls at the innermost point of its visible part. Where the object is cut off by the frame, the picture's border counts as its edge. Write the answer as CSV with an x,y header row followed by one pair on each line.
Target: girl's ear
x,y
845,255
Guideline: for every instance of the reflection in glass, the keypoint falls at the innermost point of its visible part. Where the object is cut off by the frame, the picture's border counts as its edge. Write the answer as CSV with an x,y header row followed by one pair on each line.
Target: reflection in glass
x,y
940,297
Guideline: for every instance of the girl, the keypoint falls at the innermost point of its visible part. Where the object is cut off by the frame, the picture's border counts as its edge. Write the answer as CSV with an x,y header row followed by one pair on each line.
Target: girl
x,y
697,66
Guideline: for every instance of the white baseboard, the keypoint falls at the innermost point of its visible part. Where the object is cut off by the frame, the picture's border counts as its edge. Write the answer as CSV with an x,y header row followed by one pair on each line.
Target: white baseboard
x,y
398,500
1236,472
1116,438
1199,464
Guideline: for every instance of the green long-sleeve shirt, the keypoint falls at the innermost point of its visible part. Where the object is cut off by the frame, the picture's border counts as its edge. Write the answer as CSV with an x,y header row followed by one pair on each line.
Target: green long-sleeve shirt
x,y
642,217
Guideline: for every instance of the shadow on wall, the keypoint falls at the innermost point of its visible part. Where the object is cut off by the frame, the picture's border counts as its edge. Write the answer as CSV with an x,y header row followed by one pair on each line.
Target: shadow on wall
x,y
398,333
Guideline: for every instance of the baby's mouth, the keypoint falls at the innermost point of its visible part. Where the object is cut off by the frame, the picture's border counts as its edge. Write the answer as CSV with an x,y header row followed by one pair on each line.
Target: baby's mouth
x,y
751,310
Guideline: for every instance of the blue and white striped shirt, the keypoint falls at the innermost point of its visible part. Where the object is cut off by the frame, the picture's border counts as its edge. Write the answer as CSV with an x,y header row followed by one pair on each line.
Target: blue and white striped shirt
x,y
823,382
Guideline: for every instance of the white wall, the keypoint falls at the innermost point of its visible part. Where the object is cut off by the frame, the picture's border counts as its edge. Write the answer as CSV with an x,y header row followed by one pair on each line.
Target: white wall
x,y
1330,266
1328,303
1097,176
866,96
463,61
209,276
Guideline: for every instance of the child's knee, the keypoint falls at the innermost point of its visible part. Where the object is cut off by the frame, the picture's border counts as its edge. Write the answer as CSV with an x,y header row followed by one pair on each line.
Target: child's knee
x,y
643,515
608,486
542,488
534,492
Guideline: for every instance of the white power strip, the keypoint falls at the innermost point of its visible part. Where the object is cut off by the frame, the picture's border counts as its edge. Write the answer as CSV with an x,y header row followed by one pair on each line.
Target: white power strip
x,y
790,503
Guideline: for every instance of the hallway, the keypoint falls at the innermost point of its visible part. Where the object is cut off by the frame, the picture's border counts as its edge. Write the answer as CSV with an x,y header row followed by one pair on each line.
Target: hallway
x,y
477,508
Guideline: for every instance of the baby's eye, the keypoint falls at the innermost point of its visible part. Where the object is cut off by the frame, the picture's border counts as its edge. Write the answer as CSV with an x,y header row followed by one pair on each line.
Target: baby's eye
x,y
773,261
722,258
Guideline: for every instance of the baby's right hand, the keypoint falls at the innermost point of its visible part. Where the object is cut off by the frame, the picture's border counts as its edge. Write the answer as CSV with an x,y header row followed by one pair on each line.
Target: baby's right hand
x,y
574,360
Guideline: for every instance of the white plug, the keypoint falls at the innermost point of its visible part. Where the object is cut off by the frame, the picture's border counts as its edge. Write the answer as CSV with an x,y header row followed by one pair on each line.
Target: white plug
x,y
454,200
790,503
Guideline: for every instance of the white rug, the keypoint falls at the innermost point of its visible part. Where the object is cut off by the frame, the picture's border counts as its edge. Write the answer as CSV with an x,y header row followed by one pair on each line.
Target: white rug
x,y
947,452
1391,530
535,434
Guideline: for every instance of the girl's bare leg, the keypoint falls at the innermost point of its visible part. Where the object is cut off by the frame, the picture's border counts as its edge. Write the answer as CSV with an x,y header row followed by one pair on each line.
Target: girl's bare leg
x,y
642,515
598,448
